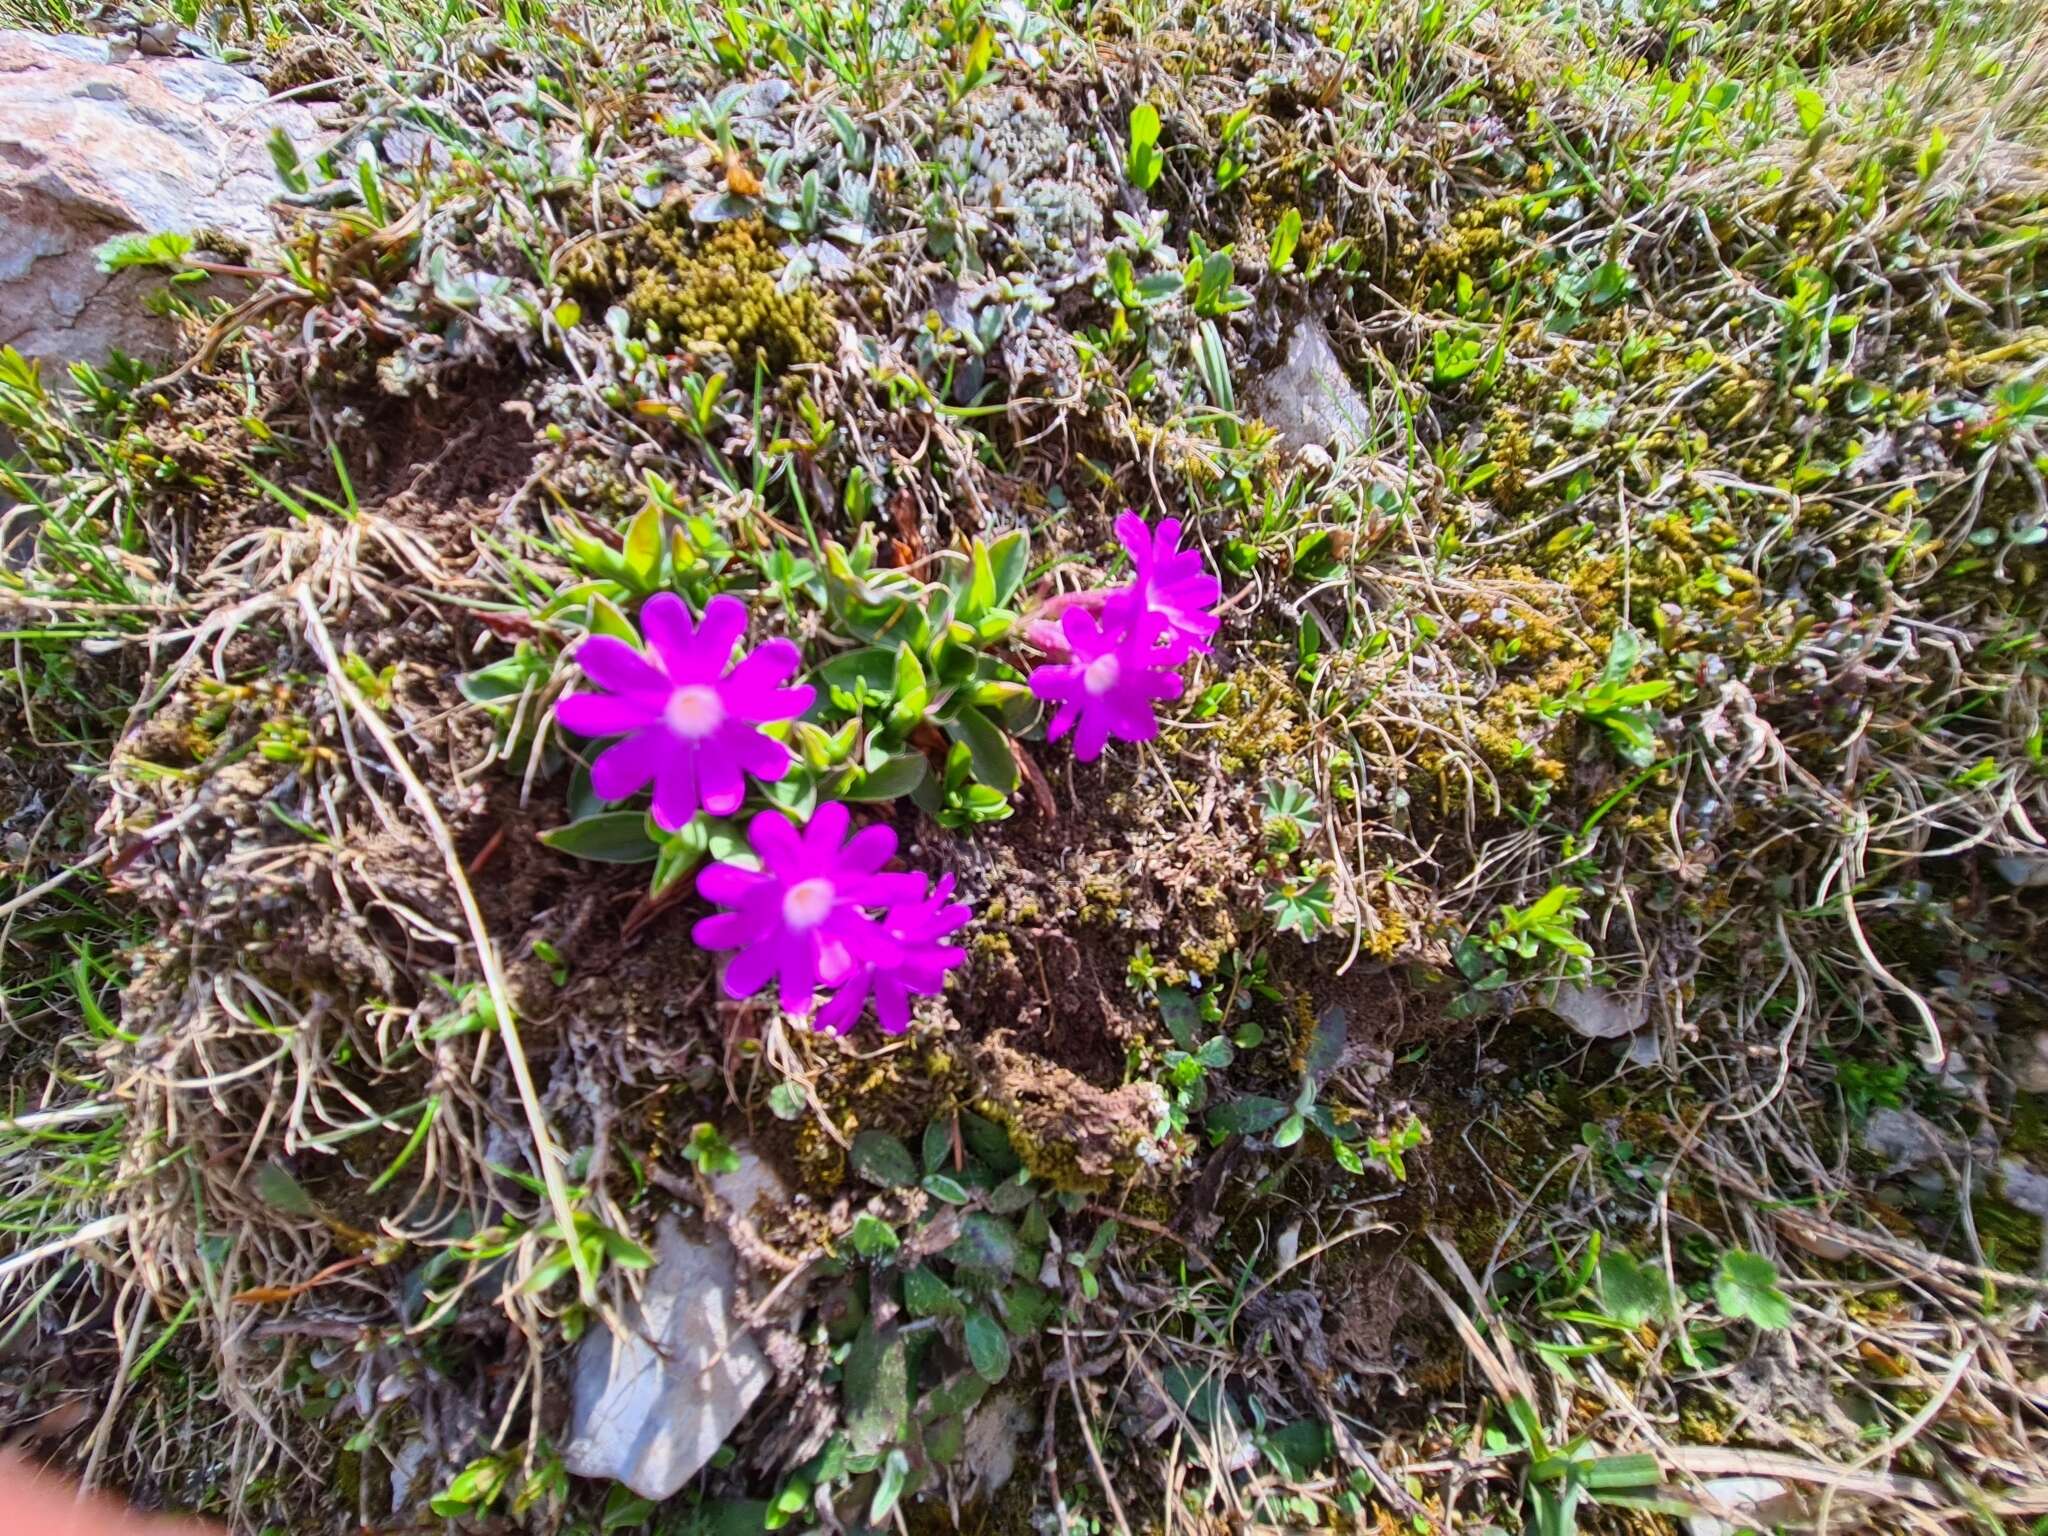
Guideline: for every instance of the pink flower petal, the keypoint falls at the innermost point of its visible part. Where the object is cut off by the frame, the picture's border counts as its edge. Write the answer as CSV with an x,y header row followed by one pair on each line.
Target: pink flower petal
x,y
842,1010
827,830
1055,682
763,668
675,785
748,970
626,767
796,965
724,930
671,633
869,849
774,704
1091,735
603,714
724,621
762,756
778,843
614,665
1133,534
719,779
729,885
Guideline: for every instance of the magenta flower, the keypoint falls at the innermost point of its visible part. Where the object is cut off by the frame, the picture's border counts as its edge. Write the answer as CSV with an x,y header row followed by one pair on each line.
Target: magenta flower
x,y
1169,580
689,723
1121,664
919,969
801,918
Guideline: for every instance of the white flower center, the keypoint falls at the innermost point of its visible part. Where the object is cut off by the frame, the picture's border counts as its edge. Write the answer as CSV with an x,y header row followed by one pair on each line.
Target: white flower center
x,y
694,712
1100,675
808,903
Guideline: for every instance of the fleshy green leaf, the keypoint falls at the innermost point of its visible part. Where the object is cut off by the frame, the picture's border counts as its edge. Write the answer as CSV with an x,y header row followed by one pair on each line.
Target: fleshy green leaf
x,y
610,837
877,1387
881,1159
988,1347
1246,1116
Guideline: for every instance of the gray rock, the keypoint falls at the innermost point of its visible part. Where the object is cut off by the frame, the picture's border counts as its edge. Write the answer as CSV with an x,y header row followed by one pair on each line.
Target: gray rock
x,y
91,148
1308,399
1907,1141
651,1405
2024,870
2025,1188
2029,1062
1598,1013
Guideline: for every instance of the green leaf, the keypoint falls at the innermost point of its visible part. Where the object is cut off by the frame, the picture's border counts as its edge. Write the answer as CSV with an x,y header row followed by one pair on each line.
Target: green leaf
x,y
1009,558
896,1465
276,1188
981,582
1290,1131
1746,1289
872,1237
937,1148
944,1439
877,1389
995,764
1245,1117
1601,1473
897,776
868,675
643,547
1158,288
622,1250
1299,1449
1177,1009
1811,109
910,691
710,1151
284,156
166,250
1144,162
943,1186
926,1295
1623,652
881,1159
989,1142
1144,125
1631,1293
988,1347
1286,236
610,837
986,1246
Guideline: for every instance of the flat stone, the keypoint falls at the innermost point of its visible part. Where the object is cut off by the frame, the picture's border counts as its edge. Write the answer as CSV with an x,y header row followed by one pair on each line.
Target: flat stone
x,y
1907,1141
650,1406
1308,399
92,147
1597,1013
2026,1188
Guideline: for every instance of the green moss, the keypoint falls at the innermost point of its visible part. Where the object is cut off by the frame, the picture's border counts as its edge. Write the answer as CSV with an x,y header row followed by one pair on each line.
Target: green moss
x,y
720,294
